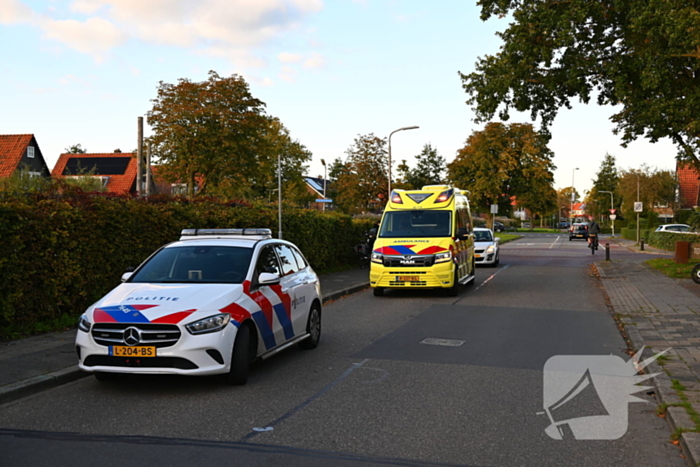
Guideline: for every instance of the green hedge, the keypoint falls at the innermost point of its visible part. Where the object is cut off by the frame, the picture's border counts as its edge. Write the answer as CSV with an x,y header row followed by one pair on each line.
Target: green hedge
x,y
59,254
667,240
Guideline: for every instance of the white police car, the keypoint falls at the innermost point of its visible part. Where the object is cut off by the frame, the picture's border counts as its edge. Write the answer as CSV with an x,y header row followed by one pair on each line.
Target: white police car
x,y
212,302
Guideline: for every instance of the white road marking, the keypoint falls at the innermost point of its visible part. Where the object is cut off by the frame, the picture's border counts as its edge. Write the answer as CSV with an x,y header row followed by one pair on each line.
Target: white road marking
x,y
555,242
491,277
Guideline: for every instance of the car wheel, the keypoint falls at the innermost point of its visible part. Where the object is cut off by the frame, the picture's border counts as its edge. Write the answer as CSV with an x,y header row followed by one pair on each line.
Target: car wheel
x,y
454,290
570,238
240,357
103,376
498,259
379,291
696,274
313,327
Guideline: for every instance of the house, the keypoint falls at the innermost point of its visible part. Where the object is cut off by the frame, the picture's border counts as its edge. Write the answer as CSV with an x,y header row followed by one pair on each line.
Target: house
x,y
318,187
21,152
688,185
117,171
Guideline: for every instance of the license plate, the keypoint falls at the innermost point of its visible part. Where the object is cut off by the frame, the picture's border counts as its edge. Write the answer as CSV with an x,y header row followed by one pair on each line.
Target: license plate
x,y
407,278
124,351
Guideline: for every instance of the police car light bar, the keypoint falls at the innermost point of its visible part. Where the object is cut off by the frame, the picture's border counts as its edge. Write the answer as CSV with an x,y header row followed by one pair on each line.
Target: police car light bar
x,y
265,233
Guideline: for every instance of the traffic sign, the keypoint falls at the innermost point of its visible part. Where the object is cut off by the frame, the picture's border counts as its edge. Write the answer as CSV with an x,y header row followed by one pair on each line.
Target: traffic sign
x,y
638,206
324,200
494,209
613,217
613,211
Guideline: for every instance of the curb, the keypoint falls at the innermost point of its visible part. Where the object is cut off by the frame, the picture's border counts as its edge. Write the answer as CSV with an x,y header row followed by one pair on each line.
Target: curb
x,y
30,386
36,384
676,417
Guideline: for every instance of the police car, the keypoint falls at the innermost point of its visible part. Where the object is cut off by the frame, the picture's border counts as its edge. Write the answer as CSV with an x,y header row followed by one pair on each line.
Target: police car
x,y
212,302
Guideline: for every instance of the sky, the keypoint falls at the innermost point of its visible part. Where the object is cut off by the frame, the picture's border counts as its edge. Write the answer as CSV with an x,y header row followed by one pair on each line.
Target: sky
x,y
83,71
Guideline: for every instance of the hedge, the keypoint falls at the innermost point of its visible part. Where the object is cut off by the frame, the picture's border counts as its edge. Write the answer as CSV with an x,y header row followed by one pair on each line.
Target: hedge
x,y
667,240
61,253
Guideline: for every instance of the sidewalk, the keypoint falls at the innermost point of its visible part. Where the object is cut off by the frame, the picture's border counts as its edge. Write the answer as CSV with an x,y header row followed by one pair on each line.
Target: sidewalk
x,y
660,313
34,364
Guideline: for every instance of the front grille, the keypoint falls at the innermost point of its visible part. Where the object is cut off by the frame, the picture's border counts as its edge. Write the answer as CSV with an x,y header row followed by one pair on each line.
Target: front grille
x,y
412,283
131,362
424,261
478,252
156,335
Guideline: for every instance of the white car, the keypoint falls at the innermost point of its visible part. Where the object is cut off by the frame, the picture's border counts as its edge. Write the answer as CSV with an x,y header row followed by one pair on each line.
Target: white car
x,y
210,303
676,228
486,247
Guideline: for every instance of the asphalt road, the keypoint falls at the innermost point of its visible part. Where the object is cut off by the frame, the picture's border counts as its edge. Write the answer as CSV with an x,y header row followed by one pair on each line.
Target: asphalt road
x,y
377,391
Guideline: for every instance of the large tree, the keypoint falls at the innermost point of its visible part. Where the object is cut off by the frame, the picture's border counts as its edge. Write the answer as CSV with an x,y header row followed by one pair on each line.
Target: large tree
x,y
429,170
362,180
502,161
640,55
211,132
655,188
606,181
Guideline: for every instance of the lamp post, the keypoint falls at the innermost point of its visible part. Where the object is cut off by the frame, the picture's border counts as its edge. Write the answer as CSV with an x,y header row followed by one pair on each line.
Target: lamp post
x,y
635,209
612,206
388,193
325,176
573,194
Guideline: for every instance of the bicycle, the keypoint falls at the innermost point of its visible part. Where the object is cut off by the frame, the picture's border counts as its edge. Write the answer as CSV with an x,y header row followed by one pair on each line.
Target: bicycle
x,y
593,243
695,275
363,253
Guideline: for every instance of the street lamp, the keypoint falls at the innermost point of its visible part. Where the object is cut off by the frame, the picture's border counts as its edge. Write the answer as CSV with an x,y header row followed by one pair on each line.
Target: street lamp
x,y
573,193
325,176
636,209
388,193
612,207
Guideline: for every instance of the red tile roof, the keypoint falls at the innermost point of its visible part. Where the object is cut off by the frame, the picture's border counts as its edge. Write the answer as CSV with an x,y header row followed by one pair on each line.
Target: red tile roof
x,y
12,149
688,185
122,183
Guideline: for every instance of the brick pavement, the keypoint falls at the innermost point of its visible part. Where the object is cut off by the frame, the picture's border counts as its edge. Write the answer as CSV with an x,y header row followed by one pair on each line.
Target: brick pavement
x,y
661,313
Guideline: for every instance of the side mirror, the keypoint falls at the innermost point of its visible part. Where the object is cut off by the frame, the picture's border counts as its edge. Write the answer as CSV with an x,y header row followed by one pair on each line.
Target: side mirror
x,y
267,278
462,233
497,239
127,275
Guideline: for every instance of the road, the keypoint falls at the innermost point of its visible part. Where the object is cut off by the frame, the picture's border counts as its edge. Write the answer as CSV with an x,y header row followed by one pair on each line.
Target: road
x,y
377,391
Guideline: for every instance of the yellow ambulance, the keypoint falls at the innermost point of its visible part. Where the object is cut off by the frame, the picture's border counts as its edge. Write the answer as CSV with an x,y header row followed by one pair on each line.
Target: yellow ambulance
x,y
425,240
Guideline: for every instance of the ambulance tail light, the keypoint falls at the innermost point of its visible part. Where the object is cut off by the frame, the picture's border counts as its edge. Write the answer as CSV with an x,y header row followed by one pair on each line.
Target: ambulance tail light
x,y
395,198
444,196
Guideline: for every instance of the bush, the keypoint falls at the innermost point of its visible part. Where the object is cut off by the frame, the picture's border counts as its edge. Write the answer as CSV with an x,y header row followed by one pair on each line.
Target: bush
x,y
62,252
667,240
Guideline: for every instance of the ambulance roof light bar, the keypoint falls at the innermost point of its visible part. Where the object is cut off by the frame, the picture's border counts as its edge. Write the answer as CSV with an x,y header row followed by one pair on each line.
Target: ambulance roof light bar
x,y
260,233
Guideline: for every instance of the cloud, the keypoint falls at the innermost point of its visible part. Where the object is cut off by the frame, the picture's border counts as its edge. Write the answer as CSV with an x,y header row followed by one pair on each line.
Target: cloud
x,y
316,60
286,57
95,36
14,12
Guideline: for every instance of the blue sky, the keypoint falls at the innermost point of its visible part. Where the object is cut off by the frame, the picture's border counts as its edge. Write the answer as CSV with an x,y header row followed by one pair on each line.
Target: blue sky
x,y
82,71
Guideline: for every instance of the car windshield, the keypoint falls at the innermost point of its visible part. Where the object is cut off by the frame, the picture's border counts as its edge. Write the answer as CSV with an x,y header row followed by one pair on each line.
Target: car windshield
x,y
416,224
483,236
196,264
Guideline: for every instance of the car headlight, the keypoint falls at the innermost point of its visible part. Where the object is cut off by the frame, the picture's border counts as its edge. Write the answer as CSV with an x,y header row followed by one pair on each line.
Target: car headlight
x,y
377,258
442,257
210,324
83,324
490,249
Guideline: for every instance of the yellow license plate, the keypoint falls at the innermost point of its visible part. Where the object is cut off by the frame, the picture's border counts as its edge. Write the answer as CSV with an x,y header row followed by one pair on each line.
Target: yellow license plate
x,y
124,351
407,278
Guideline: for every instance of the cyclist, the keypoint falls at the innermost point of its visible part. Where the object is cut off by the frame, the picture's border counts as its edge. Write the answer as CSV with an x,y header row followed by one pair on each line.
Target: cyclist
x,y
593,231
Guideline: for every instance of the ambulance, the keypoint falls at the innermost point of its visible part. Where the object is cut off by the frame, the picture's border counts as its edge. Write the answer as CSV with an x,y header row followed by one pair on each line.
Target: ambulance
x,y
425,240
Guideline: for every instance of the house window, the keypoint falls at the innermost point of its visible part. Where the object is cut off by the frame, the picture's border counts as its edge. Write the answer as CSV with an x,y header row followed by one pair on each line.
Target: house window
x,y
178,189
34,174
30,152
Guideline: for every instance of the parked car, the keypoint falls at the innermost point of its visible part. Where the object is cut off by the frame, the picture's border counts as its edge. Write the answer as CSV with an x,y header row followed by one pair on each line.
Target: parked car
x,y
499,227
486,247
211,303
564,225
526,225
578,230
677,228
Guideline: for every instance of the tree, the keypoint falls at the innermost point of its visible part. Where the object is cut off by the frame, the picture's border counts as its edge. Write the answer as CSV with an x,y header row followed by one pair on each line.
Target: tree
x,y
75,149
502,161
606,180
656,188
565,198
212,132
640,55
429,170
363,179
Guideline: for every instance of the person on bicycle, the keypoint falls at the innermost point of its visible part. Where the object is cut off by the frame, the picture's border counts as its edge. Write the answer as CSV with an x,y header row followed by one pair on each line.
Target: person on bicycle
x,y
593,231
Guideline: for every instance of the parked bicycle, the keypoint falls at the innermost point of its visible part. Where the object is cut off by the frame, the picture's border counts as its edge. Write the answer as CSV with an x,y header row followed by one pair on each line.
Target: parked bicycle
x,y
695,275
364,249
